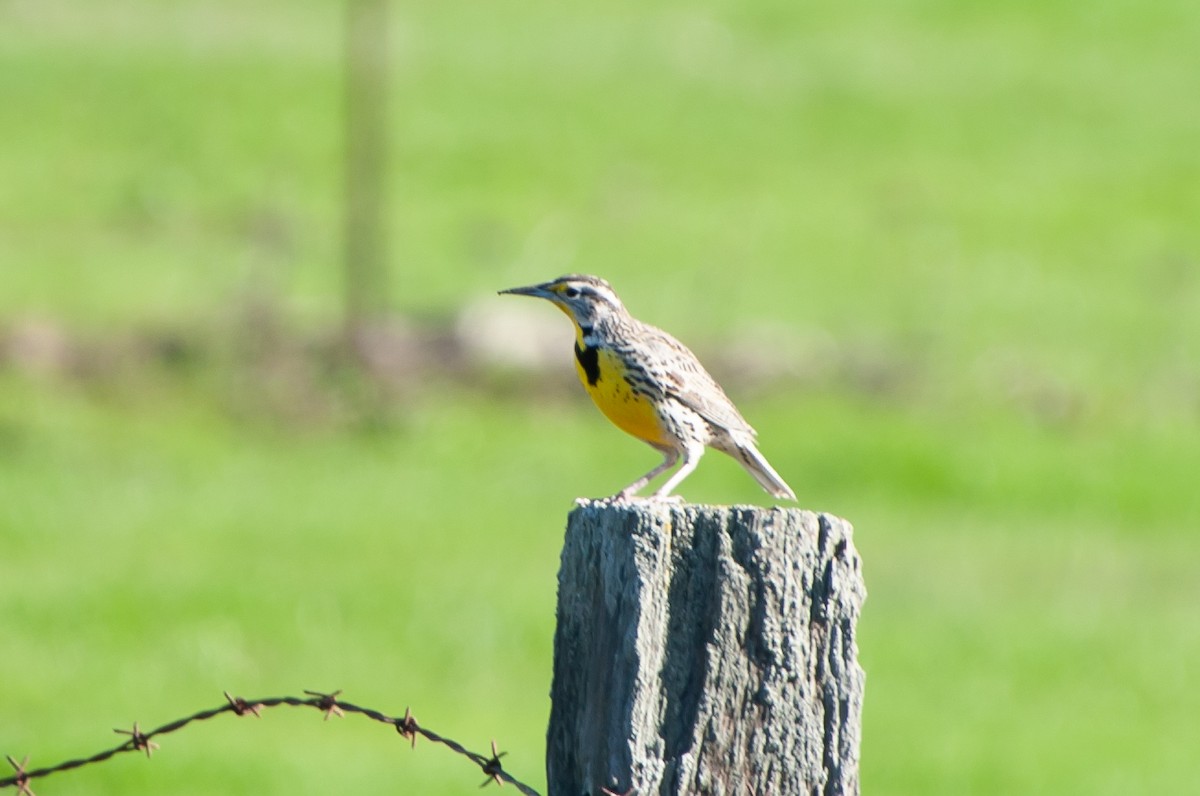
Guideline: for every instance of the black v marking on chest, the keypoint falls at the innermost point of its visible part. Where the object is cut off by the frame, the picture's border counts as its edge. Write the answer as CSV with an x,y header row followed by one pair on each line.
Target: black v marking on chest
x,y
589,360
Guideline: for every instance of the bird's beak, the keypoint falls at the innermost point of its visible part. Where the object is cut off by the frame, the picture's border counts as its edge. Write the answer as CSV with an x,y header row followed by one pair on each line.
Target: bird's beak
x,y
537,291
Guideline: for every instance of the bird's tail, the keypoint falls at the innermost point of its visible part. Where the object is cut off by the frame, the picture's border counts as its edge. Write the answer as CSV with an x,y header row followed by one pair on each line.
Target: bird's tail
x,y
756,464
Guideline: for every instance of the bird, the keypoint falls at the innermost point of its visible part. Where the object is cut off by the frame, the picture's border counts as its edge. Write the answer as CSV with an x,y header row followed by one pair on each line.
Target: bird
x,y
651,386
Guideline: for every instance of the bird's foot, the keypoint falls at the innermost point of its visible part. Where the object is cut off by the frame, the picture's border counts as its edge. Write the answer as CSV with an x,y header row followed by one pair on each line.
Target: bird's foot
x,y
623,498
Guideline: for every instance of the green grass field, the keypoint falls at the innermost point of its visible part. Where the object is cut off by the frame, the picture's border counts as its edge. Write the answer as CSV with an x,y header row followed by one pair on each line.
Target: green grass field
x,y
974,227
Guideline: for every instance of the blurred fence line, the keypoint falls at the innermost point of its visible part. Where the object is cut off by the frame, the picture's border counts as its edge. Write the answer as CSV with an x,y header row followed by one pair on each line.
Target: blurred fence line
x,y
329,704
365,131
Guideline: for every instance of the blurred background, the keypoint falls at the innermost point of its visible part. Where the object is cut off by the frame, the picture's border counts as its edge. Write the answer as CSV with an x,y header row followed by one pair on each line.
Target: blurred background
x,y
264,425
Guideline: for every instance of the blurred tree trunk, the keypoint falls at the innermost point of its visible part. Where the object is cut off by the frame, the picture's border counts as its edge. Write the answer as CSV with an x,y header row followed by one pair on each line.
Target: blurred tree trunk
x,y
366,67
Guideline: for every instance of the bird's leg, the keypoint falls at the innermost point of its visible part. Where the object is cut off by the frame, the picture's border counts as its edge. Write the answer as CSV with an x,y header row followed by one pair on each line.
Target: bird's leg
x,y
691,458
670,456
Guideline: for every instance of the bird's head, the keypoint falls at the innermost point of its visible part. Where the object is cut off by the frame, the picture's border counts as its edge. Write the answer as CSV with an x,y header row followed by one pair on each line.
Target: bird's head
x,y
587,300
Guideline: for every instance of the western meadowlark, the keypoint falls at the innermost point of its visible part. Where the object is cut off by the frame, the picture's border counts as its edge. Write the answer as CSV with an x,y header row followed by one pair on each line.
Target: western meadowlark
x,y
651,386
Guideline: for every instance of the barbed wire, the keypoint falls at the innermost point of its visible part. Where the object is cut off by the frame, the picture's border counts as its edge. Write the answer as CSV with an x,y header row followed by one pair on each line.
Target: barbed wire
x,y
329,704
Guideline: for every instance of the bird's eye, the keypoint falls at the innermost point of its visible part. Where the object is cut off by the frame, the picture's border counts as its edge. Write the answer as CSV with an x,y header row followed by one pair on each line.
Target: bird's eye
x,y
571,292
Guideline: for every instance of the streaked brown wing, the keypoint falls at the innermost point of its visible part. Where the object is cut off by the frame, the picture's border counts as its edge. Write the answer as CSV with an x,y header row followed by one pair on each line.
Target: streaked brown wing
x,y
685,379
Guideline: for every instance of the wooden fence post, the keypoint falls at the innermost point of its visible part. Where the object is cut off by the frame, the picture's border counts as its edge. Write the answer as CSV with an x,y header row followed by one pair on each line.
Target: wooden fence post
x,y
705,650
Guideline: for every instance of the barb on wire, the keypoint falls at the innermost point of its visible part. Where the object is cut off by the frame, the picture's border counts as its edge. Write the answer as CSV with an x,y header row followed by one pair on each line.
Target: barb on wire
x,y
138,740
327,703
407,727
492,767
21,778
241,707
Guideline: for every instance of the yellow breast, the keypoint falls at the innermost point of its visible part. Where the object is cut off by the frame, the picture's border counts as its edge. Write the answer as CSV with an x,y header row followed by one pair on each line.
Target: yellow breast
x,y
602,373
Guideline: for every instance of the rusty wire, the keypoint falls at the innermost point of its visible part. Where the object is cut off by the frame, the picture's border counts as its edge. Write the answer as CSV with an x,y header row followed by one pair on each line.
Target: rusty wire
x,y
327,703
